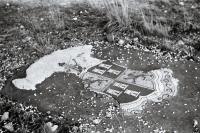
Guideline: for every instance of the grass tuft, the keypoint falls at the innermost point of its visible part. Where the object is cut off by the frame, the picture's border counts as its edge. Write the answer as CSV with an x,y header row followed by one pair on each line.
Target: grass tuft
x,y
116,10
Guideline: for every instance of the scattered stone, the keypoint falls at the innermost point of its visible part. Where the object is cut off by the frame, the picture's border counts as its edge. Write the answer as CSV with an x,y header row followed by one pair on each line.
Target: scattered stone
x,y
50,128
5,116
197,56
181,3
75,129
9,127
41,19
75,18
110,37
193,7
121,42
195,123
97,121
135,39
7,4
109,114
21,27
180,42
109,130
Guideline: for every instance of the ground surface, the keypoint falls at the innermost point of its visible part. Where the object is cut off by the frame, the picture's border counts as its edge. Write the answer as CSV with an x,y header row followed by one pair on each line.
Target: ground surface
x,y
22,42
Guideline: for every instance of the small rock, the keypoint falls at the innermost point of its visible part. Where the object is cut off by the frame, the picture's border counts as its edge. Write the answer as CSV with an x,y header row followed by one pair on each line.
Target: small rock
x,y
108,114
75,129
110,37
41,19
50,128
135,39
181,3
197,56
109,130
5,116
21,27
96,121
121,42
75,18
28,38
180,42
195,123
9,127
128,46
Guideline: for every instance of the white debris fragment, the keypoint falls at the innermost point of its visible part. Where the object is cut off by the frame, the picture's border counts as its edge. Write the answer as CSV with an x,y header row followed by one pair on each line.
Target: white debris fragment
x,y
50,127
21,27
5,116
135,39
195,123
75,129
109,130
9,127
41,19
75,18
193,7
121,42
180,42
109,114
96,121
181,3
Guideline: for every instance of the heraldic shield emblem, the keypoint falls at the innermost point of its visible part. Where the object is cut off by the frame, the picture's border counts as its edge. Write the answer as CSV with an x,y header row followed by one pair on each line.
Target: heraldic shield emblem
x,y
131,88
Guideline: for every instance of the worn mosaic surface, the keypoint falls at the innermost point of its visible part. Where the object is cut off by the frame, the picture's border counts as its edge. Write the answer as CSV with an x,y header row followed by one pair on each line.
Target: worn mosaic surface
x,y
132,89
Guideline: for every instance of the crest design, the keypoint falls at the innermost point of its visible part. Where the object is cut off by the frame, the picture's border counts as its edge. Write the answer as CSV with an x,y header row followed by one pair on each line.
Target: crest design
x,y
131,88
